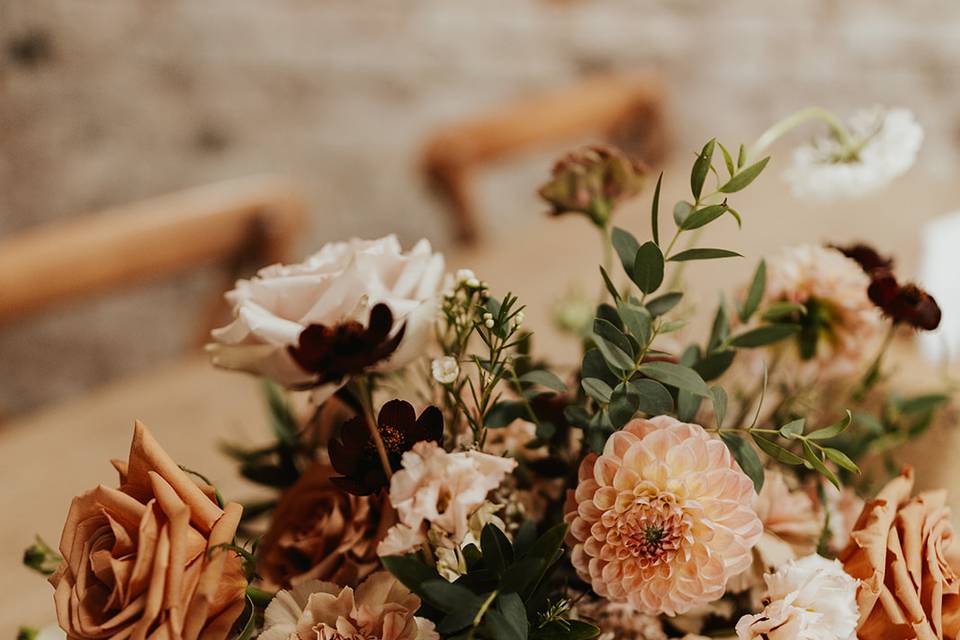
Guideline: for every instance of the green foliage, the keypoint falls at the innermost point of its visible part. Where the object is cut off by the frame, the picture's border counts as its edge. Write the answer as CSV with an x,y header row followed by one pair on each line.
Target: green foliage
x,y
498,597
41,557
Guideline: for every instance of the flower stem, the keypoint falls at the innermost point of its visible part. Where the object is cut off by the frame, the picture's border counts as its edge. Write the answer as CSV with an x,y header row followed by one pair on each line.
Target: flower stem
x,y
793,121
259,597
873,373
365,395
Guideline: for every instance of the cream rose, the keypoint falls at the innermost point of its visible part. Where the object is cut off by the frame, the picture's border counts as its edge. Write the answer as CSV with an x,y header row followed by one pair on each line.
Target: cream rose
x,y
336,287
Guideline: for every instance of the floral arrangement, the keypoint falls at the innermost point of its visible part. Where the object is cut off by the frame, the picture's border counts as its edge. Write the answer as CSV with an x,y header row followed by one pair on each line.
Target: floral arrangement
x,y
433,477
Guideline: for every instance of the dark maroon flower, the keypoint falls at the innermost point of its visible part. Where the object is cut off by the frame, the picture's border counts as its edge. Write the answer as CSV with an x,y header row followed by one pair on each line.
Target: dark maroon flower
x,y
866,256
348,348
354,454
905,303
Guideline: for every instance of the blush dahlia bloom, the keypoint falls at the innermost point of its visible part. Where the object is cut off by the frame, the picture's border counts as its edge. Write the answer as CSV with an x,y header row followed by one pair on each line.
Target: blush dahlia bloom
x,y
834,287
662,518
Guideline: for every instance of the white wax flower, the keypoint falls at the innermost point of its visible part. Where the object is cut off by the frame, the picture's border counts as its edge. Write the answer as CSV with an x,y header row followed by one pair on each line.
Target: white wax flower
x,y
445,370
883,145
465,275
808,599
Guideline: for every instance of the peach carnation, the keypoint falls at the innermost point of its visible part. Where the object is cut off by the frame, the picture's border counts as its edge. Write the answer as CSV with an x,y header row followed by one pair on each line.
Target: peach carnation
x,y
662,518
813,274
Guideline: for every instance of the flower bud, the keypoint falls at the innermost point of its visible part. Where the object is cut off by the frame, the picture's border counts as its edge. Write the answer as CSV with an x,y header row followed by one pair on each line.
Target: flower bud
x,y
592,181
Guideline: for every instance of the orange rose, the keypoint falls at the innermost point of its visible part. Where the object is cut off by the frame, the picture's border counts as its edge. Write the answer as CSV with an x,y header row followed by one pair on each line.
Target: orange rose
x,y
320,532
139,561
897,551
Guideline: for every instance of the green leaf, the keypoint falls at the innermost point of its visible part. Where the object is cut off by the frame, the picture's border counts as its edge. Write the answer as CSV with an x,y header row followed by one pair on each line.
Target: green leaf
x,y
744,177
250,626
833,430
520,574
614,355
703,217
503,413
719,397
780,310
549,548
720,330
450,596
613,334
623,405
509,619
673,325
841,459
595,366
626,247
597,389
648,267
715,365
676,375
700,168
755,293
687,406
411,572
608,283
663,303
791,430
764,335
775,451
746,457
654,398
637,319
655,211
544,378
680,212
497,552
703,254
741,156
922,403
727,159
813,458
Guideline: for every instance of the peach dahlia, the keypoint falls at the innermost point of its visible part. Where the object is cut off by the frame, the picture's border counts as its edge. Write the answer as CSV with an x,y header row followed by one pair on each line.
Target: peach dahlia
x,y
662,518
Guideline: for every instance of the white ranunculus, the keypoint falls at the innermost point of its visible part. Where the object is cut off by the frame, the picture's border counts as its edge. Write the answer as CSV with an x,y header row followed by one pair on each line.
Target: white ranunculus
x,y
445,370
809,599
884,145
341,282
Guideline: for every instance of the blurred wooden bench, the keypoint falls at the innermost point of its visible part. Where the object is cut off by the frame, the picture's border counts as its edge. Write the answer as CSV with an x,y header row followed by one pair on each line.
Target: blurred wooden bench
x,y
626,110
248,221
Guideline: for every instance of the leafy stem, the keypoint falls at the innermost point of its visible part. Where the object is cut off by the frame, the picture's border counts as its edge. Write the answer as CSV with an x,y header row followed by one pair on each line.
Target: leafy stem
x,y
794,120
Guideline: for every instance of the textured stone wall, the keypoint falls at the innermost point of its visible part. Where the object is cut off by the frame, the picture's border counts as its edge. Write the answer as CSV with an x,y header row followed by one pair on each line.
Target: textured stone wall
x,y
105,101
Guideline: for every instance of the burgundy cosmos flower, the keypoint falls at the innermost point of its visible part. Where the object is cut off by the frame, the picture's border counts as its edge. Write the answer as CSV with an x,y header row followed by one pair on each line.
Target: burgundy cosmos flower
x,y
905,303
354,454
866,256
348,348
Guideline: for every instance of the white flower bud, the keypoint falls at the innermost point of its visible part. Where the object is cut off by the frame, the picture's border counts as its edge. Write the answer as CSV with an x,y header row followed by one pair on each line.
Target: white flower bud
x,y
445,370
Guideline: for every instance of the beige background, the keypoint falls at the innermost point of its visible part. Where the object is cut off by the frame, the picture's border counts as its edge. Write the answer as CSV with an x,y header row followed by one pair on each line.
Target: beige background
x,y
105,101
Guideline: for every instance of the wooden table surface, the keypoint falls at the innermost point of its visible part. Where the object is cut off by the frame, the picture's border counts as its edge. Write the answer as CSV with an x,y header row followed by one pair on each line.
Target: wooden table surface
x,y
48,457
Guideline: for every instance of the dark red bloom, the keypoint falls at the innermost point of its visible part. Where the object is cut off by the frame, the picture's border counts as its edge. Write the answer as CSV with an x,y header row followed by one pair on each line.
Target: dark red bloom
x,y
905,303
348,348
354,454
866,256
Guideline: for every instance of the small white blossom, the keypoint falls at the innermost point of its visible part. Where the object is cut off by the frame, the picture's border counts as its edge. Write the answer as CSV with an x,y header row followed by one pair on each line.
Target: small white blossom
x,y
883,145
445,370
809,599
466,276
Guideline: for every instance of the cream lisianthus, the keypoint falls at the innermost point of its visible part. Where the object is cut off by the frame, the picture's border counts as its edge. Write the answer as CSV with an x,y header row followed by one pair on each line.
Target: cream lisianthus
x,y
379,609
807,599
440,491
334,292
882,144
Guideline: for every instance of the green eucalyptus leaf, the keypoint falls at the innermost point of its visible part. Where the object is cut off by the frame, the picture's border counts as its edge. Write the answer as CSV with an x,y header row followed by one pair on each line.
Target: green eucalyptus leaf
x,y
497,552
608,283
680,212
676,375
703,217
653,398
503,413
544,378
655,211
727,159
687,406
764,335
719,397
833,430
744,177
741,156
755,292
781,310
775,451
746,457
703,254
715,364
626,247
648,267
663,304
411,572
791,430
700,168
637,319
509,619
623,405
841,459
597,389
811,456
595,366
